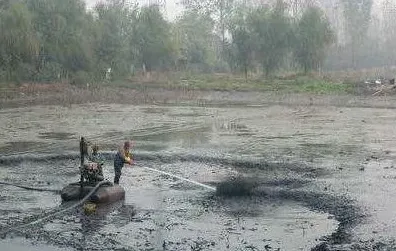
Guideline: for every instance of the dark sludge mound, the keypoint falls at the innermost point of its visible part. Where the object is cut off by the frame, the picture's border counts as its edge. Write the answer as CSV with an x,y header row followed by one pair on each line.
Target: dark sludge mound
x,y
236,187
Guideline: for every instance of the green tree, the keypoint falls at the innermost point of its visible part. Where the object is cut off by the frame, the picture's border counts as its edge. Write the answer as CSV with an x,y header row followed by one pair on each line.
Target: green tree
x,y
194,34
220,11
389,31
242,47
313,36
4,4
18,43
64,42
272,31
357,15
152,37
113,48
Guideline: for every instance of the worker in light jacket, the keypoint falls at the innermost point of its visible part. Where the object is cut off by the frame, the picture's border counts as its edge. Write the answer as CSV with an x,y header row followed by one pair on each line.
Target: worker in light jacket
x,y
123,156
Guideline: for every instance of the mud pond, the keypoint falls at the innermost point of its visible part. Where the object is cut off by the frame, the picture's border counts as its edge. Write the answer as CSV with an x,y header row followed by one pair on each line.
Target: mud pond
x,y
289,177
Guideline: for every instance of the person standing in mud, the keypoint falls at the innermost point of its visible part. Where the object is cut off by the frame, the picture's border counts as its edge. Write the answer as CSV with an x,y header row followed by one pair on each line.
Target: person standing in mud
x,y
123,156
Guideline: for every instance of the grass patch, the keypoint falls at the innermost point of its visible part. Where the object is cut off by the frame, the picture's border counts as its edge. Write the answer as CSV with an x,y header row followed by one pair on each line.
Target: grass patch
x,y
320,86
228,82
198,82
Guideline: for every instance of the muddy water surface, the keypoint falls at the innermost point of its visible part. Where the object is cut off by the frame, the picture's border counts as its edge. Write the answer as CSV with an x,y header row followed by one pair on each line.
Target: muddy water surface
x,y
330,152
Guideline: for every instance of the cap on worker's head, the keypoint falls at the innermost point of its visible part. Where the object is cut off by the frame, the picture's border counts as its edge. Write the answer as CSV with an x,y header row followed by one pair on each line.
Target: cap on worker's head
x,y
127,144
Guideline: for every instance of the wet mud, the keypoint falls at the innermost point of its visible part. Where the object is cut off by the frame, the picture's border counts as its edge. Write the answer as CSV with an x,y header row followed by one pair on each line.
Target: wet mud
x,y
168,214
287,177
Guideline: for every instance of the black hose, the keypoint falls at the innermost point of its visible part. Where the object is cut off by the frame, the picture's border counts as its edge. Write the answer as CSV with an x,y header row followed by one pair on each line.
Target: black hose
x,y
30,188
61,211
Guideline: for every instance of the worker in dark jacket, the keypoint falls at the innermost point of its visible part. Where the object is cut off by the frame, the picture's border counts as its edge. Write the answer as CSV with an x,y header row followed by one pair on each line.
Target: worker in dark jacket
x,y
123,156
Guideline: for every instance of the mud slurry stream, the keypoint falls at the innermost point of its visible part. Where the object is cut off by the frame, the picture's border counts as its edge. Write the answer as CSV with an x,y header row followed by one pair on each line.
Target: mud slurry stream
x,y
292,153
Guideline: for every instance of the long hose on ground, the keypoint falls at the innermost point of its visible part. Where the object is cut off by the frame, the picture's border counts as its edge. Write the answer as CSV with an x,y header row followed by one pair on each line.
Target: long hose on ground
x,y
30,188
61,211
179,178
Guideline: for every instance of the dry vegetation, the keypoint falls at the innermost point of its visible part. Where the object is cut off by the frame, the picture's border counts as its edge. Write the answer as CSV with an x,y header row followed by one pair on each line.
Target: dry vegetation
x,y
162,88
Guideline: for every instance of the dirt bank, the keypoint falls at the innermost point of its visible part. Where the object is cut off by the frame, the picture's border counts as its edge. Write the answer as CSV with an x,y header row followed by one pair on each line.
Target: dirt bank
x,y
67,95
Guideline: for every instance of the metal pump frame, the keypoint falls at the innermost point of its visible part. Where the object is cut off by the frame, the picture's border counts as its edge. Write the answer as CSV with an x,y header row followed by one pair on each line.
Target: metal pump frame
x,y
83,152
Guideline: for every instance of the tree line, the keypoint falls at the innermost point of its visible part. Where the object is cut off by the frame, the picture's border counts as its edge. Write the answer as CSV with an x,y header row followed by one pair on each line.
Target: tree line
x,y
53,40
